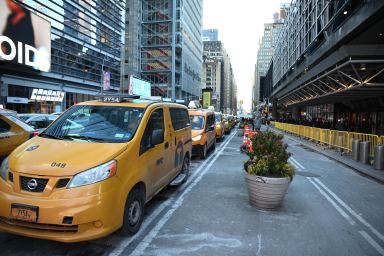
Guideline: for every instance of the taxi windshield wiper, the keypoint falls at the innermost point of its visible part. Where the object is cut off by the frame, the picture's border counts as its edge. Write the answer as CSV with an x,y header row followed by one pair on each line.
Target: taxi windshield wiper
x,y
48,135
81,137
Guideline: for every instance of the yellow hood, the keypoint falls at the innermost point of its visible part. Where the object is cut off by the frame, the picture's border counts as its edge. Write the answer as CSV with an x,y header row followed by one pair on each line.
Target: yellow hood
x,y
39,155
196,132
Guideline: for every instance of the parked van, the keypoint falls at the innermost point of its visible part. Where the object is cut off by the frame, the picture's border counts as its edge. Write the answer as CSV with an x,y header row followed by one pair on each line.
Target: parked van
x,y
203,131
13,132
220,125
93,169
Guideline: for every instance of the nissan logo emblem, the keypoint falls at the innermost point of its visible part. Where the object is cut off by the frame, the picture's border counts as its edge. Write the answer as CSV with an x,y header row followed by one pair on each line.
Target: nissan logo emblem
x,y
32,184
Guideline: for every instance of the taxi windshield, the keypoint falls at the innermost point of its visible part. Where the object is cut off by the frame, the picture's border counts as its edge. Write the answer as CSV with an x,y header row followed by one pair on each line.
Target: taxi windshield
x,y
108,124
197,122
218,117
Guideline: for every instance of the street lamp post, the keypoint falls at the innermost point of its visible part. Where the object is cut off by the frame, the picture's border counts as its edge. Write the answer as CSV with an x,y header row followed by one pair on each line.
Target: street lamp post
x,y
102,76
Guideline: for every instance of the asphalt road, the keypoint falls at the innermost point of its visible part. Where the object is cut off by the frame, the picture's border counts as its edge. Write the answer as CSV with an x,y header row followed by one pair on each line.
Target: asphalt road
x,y
328,210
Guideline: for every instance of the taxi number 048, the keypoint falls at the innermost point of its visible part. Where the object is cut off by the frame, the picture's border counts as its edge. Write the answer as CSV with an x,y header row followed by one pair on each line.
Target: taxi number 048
x,y
59,165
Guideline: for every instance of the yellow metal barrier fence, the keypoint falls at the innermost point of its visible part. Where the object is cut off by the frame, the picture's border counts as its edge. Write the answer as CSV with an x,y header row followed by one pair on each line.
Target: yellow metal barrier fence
x,y
338,139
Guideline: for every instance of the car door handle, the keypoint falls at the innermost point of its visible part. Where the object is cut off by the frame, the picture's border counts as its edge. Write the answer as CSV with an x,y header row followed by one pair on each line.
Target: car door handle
x,y
166,145
159,161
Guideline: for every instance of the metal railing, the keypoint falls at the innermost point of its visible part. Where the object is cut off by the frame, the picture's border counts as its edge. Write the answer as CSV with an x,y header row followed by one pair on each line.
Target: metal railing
x,y
336,139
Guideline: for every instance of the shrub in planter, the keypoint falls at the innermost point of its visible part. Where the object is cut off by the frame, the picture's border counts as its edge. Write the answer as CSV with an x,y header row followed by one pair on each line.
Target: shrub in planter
x,y
267,172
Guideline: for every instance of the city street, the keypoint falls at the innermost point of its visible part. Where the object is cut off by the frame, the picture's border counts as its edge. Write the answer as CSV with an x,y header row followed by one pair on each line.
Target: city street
x,y
328,210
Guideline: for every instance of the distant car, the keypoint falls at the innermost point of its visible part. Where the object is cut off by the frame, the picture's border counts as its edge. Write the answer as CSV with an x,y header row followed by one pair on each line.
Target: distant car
x,y
38,121
220,125
13,132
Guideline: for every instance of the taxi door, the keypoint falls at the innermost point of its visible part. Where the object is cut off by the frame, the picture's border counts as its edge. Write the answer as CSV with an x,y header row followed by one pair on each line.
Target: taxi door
x,y
154,156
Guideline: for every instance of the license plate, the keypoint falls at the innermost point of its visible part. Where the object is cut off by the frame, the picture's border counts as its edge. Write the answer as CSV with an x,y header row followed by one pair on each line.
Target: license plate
x,y
24,212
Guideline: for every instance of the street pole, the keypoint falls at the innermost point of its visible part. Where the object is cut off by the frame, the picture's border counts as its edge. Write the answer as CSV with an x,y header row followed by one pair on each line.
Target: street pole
x,y
102,76
174,50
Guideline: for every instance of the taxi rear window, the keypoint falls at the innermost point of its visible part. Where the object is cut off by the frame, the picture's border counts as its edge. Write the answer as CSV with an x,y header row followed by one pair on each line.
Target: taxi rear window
x,y
108,124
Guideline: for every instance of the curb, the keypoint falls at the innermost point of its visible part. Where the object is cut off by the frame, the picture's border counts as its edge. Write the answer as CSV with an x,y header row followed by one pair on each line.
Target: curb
x,y
356,168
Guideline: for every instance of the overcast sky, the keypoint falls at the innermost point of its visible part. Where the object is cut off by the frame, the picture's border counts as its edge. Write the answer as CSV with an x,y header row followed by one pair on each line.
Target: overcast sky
x,y
240,24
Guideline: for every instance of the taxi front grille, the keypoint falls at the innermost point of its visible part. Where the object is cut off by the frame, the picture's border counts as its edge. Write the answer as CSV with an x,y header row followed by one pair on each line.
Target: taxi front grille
x,y
62,183
40,226
33,184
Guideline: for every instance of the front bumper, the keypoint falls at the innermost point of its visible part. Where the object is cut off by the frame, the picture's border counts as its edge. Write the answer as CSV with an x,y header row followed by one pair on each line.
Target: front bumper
x,y
197,149
92,215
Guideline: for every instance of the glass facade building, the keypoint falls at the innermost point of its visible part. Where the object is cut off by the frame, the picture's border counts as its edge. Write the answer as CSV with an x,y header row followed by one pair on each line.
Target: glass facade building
x,y
87,36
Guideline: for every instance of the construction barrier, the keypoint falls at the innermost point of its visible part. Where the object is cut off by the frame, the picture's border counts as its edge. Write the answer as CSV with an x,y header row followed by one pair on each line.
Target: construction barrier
x,y
337,139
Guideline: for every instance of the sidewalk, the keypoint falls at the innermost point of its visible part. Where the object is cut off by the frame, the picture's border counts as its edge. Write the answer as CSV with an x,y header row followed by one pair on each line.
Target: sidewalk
x,y
365,170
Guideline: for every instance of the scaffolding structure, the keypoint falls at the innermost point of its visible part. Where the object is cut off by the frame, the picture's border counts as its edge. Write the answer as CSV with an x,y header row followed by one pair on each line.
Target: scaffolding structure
x,y
158,44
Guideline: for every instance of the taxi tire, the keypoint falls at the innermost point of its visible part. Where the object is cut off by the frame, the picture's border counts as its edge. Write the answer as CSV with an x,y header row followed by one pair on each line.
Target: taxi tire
x,y
214,144
186,167
204,152
135,199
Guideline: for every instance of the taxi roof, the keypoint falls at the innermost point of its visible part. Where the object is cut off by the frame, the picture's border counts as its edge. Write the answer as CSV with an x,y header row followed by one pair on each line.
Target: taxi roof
x,y
136,103
201,112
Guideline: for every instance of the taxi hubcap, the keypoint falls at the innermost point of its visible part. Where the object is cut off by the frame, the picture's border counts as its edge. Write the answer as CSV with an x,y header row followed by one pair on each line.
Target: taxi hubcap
x,y
134,212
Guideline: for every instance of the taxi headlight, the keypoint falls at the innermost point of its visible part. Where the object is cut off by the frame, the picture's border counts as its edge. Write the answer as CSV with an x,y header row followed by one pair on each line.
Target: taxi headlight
x,y
196,138
4,168
96,174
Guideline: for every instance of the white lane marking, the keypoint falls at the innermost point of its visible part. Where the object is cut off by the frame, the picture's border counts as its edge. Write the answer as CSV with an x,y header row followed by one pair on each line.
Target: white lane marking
x,y
148,220
352,212
142,246
258,253
341,211
372,242
296,162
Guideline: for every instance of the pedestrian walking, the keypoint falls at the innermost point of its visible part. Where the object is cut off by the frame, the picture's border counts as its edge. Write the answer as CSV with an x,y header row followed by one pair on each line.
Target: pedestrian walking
x,y
257,123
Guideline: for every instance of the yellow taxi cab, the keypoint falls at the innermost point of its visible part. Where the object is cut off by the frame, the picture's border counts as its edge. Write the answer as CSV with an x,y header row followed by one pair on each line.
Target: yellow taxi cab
x,y
13,132
227,125
220,125
203,131
93,169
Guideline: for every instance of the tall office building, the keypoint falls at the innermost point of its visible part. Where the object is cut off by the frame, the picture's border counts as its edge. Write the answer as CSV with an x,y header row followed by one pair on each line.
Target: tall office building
x,y
84,38
131,64
218,76
213,68
210,35
171,56
264,56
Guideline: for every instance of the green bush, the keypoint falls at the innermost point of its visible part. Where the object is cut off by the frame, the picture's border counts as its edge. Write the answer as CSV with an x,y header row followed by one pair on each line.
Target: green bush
x,y
269,156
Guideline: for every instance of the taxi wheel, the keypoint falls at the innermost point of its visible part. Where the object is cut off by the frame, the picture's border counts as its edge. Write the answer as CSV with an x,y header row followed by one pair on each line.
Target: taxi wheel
x,y
185,169
214,144
133,213
204,152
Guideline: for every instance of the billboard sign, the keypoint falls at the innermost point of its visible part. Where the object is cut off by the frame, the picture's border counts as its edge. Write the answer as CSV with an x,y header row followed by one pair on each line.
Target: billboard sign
x,y
25,38
139,87
207,98
106,80
47,95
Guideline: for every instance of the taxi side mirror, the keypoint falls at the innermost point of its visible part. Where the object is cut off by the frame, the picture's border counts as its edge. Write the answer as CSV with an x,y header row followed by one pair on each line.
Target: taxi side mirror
x,y
157,137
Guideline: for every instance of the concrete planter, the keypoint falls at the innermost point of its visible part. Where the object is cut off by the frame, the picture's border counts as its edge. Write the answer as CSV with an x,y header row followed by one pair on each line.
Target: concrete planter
x,y
264,192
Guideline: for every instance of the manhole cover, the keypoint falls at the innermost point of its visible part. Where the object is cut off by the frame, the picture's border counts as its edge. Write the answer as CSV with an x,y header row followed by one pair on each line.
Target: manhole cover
x,y
307,174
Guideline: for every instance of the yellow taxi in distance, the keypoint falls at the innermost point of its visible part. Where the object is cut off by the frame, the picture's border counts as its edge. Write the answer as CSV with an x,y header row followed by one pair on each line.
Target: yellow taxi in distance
x,y
93,169
227,125
13,132
203,131
220,125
